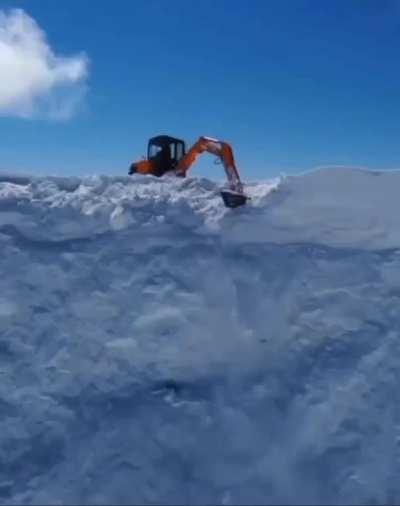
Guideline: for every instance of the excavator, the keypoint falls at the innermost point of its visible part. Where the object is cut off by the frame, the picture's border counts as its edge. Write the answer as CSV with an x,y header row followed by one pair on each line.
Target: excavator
x,y
168,154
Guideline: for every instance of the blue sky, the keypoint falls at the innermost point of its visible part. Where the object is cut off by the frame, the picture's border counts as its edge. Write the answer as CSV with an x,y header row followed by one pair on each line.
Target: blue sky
x,y
292,84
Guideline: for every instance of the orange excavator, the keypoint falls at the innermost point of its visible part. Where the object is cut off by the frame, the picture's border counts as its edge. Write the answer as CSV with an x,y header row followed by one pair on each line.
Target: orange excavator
x,y
168,154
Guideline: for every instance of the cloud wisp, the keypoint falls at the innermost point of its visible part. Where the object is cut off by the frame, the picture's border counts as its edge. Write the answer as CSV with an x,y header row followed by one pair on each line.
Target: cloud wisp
x,y
34,81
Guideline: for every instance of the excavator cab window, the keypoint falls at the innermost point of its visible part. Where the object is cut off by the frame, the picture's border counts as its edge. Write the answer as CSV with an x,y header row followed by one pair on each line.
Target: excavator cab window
x,y
179,150
165,153
154,150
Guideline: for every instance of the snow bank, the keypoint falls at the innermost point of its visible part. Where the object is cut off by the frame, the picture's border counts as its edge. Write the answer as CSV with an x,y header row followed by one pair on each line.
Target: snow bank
x,y
156,347
331,207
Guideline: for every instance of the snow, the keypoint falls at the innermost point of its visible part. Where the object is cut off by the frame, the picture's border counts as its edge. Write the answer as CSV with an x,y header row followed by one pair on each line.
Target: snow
x,y
156,347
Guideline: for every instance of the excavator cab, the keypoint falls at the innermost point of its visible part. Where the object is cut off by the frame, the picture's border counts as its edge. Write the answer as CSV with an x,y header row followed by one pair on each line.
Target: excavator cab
x,y
164,153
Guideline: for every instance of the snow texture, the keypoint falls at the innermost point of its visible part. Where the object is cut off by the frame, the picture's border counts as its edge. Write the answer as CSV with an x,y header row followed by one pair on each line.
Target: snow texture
x,y
156,347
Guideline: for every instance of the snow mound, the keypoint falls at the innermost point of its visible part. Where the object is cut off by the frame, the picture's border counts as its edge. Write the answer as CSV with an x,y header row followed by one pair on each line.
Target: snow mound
x,y
156,347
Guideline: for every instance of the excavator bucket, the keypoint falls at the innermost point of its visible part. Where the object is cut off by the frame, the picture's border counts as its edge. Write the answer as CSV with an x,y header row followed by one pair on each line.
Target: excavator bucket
x,y
232,199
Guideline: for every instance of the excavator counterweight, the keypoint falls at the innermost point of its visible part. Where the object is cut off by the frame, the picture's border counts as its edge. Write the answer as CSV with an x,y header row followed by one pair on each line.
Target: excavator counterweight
x,y
168,154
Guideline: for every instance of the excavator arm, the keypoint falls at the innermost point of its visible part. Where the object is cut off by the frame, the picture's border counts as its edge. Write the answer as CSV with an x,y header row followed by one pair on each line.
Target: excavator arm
x,y
219,148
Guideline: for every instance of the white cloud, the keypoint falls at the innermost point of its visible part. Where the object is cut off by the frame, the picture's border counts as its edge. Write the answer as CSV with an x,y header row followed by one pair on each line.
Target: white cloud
x,y
34,82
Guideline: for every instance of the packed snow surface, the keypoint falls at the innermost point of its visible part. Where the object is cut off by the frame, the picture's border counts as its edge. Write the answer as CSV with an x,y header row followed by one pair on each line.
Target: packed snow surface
x,y
156,347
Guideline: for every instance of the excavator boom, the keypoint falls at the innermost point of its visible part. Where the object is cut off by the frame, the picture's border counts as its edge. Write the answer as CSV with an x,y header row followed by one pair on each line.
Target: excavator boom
x,y
219,148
